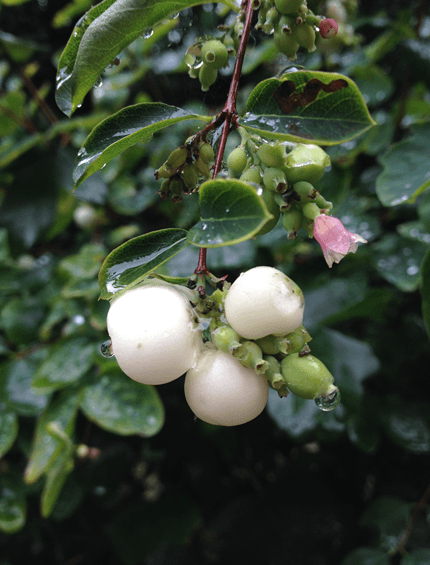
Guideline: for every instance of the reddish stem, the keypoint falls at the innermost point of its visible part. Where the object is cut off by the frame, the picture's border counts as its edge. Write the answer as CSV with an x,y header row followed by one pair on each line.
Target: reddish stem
x,y
228,114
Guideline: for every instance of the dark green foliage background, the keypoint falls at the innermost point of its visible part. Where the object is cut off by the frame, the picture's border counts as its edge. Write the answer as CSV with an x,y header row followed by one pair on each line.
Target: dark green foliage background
x,y
295,485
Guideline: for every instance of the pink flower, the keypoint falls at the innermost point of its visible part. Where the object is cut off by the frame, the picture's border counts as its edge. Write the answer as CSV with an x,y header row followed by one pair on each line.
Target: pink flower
x,y
335,240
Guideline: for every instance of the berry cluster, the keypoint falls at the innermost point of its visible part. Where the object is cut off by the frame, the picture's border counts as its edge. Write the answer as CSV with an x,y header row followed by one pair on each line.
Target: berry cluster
x,y
205,57
184,167
245,338
283,174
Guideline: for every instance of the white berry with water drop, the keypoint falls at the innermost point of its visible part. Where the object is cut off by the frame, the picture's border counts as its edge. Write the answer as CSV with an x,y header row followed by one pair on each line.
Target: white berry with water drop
x,y
220,391
154,337
264,301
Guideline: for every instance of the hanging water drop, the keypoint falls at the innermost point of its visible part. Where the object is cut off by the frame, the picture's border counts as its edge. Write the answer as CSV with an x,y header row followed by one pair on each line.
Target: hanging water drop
x,y
98,83
148,33
329,401
106,349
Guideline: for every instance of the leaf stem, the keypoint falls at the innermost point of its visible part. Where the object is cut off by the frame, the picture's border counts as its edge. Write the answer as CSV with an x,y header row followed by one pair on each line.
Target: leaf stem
x,y
228,115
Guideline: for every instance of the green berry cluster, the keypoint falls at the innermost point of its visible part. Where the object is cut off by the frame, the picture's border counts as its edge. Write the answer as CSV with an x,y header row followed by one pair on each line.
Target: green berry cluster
x,y
283,359
292,24
284,176
184,167
205,57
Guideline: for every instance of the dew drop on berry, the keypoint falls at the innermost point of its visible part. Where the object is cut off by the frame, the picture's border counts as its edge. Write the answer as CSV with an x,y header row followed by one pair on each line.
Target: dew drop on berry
x,y
106,349
329,402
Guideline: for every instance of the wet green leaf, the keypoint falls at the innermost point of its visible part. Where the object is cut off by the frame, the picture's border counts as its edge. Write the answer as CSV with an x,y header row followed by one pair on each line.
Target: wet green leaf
x,y
99,36
406,172
120,131
388,515
425,290
55,478
123,406
406,424
307,106
20,319
18,393
398,261
8,429
366,556
231,212
66,364
134,260
46,447
13,508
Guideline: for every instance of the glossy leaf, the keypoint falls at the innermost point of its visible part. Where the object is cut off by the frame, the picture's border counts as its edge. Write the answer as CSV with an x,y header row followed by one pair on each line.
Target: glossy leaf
x,y
18,393
425,291
307,106
66,364
99,36
398,261
134,260
406,172
13,509
123,406
388,515
120,131
46,447
8,429
231,211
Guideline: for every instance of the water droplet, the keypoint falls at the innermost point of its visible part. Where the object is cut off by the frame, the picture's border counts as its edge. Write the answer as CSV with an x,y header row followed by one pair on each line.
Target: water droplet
x,y
106,349
329,401
98,83
148,33
75,34
103,166
174,16
79,105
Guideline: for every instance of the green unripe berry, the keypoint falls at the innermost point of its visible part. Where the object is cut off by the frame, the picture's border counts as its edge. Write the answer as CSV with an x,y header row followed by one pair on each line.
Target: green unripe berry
x,y
226,339
272,154
304,34
273,208
288,6
190,176
322,203
251,175
286,25
250,355
206,153
286,44
176,187
269,344
311,211
237,161
177,158
273,177
305,191
164,172
202,168
214,54
306,376
306,162
207,77
292,221
274,376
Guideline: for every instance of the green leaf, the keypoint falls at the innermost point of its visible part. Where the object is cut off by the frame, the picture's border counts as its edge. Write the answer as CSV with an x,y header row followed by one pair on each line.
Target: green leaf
x,y
63,410
99,36
56,477
366,556
398,261
120,131
307,106
388,515
12,505
406,172
20,319
134,260
123,406
407,424
8,429
17,391
231,211
425,291
84,265
67,363
11,112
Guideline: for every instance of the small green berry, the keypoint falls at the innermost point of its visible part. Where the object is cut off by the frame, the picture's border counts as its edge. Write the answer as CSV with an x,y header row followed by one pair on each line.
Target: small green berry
x,y
288,6
207,77
237,161
214,54
306,376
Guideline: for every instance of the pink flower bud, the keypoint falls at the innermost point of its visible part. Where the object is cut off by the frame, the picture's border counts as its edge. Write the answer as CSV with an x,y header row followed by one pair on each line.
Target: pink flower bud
x,y
328,28
335,240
